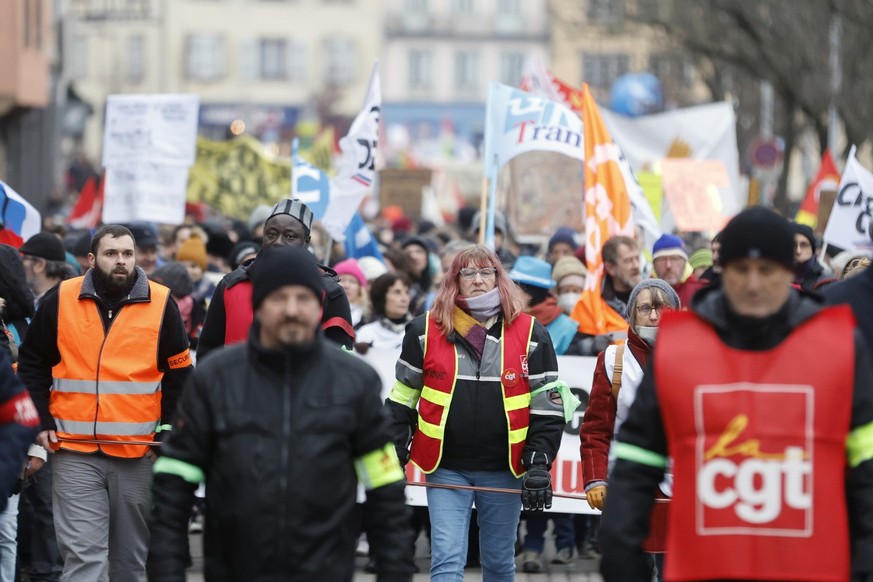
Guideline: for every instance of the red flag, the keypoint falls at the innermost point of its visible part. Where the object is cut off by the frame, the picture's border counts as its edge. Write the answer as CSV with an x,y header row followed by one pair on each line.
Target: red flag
x,y
828,178
88,209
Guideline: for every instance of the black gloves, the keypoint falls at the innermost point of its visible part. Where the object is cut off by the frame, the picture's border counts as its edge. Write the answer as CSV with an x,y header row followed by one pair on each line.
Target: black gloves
x,y
536,485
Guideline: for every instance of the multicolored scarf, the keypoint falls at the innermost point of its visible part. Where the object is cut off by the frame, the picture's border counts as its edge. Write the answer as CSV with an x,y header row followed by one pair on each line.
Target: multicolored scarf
x,y
473,332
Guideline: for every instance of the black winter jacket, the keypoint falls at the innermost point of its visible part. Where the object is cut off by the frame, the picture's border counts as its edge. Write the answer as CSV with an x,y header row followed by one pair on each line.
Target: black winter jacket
x,y
625,523
276,435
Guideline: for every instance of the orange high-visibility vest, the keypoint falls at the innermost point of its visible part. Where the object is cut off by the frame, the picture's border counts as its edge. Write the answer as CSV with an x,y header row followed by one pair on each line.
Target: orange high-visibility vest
x,y
107,385
440,376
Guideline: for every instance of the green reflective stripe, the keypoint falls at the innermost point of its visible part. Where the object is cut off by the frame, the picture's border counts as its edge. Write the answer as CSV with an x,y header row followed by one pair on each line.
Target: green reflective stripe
x,y
518,435
164,428
187,471
859,445
104,387
435,396
378,468
347,349
105,428
639,455
434,431
516,402
405,395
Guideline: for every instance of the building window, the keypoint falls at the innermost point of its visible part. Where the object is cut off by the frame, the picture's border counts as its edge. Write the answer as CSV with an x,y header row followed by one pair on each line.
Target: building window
x,y
416,6
462,6
420,70
466,71
205,57
511,68
295,60
340,61
601,70
272,65
136,58
605,11
510,7
78,57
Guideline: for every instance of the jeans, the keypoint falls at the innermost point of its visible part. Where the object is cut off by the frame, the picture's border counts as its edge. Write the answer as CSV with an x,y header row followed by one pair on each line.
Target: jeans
x,y
565,531
8,547
498,516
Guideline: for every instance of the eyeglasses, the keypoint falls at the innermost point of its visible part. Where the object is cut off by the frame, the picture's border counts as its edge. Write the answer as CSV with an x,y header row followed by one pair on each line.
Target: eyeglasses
x,y
648,309
485,273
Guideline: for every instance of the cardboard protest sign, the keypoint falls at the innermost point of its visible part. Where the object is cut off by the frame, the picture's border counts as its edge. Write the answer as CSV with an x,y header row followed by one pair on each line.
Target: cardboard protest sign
x,y
692,188
850,225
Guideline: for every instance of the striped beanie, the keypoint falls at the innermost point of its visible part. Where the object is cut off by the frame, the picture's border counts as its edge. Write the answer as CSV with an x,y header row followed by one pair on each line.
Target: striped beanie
x,y
295,208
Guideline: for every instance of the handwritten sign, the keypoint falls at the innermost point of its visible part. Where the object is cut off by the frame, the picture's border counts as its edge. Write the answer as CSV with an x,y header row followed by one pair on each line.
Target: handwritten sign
x,y
696,190
145,191
156,128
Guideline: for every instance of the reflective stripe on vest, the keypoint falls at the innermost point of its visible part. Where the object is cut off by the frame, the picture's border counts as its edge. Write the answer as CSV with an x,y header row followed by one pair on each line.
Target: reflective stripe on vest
x,y
440,375
753,435
238,315
107,385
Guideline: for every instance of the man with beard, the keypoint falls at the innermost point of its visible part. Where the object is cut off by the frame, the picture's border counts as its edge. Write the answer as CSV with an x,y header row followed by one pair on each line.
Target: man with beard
x,y
621,264
105,358
230,312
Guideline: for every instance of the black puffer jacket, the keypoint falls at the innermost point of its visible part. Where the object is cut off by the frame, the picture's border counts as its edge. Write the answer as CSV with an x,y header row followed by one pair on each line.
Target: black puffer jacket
x,y
277,434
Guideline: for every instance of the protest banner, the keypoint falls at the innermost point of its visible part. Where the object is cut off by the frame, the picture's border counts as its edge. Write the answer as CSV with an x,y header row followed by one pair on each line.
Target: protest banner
x,y
235,176
693,189
577,371
826,180
704,132
309,183
850,225
148,146
403,188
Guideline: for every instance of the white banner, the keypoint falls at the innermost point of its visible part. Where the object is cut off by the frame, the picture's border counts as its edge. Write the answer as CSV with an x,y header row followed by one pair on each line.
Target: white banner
x,y
519,122
578,372
357,165
145,191
850,225
157,128
705,132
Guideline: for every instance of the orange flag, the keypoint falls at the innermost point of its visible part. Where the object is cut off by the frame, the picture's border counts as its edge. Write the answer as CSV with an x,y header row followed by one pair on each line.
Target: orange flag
x,y
607,213
828,177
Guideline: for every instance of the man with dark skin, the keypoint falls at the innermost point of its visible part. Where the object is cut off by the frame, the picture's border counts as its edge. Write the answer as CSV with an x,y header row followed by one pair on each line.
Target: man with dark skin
x,y
230,316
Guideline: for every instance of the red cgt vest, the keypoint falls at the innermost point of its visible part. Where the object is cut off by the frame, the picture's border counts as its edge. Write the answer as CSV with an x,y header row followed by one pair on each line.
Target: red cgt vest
x,y
758,440
440,375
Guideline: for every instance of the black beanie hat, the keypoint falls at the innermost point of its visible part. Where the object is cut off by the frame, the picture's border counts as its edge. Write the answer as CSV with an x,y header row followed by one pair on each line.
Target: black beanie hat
x,y
278,267
758,233
46,246
806,231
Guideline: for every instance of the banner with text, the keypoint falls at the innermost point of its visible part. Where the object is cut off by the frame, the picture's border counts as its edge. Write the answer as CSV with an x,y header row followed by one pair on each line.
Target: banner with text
x,y
850,225
148,146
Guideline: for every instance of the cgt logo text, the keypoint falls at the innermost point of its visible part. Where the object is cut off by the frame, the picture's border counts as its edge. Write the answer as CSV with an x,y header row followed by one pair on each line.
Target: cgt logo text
x,y
754,470
757,487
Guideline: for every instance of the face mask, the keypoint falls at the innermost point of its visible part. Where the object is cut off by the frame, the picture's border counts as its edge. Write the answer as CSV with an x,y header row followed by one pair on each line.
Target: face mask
x,y
567,301
648,333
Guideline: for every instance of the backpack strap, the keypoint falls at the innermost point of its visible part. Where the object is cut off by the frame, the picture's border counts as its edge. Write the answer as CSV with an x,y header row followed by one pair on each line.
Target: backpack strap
x,y
617,368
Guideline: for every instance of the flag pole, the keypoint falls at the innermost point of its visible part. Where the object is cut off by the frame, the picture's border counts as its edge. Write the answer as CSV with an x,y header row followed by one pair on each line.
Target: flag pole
x,y
483,207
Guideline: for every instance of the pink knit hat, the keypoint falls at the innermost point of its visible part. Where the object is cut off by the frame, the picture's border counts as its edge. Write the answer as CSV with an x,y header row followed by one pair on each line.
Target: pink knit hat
x,y
350,267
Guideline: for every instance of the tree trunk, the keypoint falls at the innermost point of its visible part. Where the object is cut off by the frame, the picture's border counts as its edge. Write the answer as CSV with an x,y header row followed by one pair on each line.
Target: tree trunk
x,y
780,201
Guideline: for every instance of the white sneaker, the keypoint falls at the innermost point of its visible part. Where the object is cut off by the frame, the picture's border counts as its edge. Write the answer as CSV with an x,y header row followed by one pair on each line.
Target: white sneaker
x,y
363,547
564,556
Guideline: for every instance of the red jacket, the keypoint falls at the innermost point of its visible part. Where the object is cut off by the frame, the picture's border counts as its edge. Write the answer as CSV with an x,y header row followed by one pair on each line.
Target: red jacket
x,y
687,288
597,425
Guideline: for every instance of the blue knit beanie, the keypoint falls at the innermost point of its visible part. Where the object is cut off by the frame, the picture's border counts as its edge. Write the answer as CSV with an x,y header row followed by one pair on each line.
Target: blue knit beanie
x,y
566,235
669,245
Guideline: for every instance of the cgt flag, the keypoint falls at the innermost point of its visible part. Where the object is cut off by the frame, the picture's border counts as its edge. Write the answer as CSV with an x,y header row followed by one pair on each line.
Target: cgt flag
x,y
357,164
607,213
18,219
850,225
828,178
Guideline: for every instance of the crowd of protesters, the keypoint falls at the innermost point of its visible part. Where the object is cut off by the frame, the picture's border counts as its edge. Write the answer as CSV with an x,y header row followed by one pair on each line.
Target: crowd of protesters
x,y
434,281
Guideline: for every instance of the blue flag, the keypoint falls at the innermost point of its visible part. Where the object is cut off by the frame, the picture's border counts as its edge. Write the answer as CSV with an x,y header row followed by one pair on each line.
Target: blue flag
x,y
359,240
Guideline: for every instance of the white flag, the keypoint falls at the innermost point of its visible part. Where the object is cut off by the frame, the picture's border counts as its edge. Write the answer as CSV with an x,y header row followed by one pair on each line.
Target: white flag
x,y
357,165
850,225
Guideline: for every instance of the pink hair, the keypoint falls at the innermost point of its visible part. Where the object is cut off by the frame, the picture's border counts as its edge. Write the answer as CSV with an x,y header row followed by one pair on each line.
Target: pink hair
x,y
478,256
